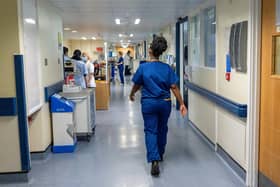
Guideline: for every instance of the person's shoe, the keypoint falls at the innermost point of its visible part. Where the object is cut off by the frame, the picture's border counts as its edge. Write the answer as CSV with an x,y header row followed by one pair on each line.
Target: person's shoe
x,y
155,169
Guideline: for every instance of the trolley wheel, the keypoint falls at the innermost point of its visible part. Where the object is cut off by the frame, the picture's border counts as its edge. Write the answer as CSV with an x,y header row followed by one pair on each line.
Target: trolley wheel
x,y
93,131
88,138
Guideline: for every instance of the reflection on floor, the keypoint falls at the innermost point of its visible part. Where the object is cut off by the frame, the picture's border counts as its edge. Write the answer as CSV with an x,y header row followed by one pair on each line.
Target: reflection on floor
x,y
115,157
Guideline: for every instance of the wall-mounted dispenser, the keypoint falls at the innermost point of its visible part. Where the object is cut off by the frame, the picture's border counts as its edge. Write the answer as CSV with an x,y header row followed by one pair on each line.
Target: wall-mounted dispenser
x,y
238,46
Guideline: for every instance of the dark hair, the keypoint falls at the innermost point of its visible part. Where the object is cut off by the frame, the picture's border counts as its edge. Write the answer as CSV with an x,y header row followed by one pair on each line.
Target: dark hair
x,y
77,55
158,46
120,53
65,50
128,52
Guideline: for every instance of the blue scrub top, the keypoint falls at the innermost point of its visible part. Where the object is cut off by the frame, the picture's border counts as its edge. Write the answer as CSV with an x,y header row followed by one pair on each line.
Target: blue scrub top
x,y
121,60
156,79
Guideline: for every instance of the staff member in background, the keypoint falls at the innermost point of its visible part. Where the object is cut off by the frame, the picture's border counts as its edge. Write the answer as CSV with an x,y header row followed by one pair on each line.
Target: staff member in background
x,y
156,79
91,71
65,54
81,69
120,66
90,68
127,60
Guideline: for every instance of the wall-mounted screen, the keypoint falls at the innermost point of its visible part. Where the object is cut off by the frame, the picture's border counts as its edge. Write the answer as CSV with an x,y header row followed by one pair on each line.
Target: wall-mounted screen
x,y
238,46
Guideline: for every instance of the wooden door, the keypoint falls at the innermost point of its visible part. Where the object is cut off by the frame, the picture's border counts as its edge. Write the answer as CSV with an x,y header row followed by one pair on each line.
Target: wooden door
x,y
269,156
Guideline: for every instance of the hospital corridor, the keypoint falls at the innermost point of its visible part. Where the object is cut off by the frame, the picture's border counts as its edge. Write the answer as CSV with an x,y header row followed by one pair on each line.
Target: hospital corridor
x,y
140,93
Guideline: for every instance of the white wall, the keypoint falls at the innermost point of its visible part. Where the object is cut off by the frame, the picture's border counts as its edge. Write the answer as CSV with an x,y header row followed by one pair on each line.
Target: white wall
x,y
231,130
88,46
9,45
50,24
169,32
201,111
218,125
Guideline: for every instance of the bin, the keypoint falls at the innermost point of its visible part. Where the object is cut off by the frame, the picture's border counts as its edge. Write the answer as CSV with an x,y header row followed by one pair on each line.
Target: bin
x,y
63,121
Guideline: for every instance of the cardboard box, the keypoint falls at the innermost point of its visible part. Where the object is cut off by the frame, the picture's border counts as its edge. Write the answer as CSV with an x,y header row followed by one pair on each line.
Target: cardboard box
x,y
102,95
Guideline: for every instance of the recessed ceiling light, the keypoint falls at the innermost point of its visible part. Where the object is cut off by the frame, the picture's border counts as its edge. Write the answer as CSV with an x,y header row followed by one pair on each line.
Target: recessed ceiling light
x,y
30,21
129,41
124,45
83,38
121,41
67,29
74,31
93,38
118,21
120,35
131,35
137,21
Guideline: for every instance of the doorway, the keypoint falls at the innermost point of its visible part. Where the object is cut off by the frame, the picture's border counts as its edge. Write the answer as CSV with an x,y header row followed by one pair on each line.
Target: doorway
x,y
182,43
269,154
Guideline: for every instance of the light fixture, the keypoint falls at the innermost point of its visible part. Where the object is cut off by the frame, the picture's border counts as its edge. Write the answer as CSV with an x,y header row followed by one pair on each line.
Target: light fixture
x,y
131,35
137,21
118,21
124,45
121,41
129,41
93,38
67,29
120,35
30,21
83,38
74,31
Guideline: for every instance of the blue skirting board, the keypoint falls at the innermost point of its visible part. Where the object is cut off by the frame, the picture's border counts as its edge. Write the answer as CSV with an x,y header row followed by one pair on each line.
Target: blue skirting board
x,y
8,106
239,110
236,168
64,148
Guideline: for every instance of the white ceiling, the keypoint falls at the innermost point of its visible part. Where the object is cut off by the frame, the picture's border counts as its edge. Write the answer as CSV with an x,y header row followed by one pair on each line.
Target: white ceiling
x,y
97,17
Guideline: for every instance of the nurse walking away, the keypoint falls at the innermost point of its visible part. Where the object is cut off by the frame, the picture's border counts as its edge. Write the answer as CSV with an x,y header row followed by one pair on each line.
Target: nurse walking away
x,y
156,78
81,69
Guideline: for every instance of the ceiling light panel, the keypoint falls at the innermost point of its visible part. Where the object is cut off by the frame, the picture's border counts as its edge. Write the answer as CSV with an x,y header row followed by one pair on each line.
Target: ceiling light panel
x,y
118,21
137,21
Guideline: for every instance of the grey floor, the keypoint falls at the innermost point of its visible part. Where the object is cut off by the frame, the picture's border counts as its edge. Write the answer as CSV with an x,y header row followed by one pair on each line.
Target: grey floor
x,y
115,157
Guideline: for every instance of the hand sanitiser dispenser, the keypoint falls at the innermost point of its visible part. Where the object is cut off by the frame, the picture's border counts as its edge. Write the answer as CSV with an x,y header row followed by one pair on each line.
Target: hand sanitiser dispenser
x,y
63,118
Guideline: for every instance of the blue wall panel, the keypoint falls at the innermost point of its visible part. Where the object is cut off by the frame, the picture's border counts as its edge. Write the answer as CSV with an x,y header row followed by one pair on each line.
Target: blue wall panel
x,y
22,113
8,107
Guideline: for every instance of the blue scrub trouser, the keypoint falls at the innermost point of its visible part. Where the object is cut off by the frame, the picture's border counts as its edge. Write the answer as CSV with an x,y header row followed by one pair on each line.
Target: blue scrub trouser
x,y
155,114
121,73
112,71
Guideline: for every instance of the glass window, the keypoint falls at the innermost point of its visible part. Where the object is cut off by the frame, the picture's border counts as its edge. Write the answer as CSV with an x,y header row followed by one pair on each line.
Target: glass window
x,y
194,40
210,37
276,60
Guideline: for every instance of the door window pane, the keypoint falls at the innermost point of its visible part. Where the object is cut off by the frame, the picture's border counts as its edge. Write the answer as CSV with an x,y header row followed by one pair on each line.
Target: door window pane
x,y
195,40
276,65
210,37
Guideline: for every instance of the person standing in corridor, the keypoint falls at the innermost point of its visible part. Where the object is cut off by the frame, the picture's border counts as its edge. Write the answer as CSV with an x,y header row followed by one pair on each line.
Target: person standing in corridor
x,y
127,60
121,67
156,79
